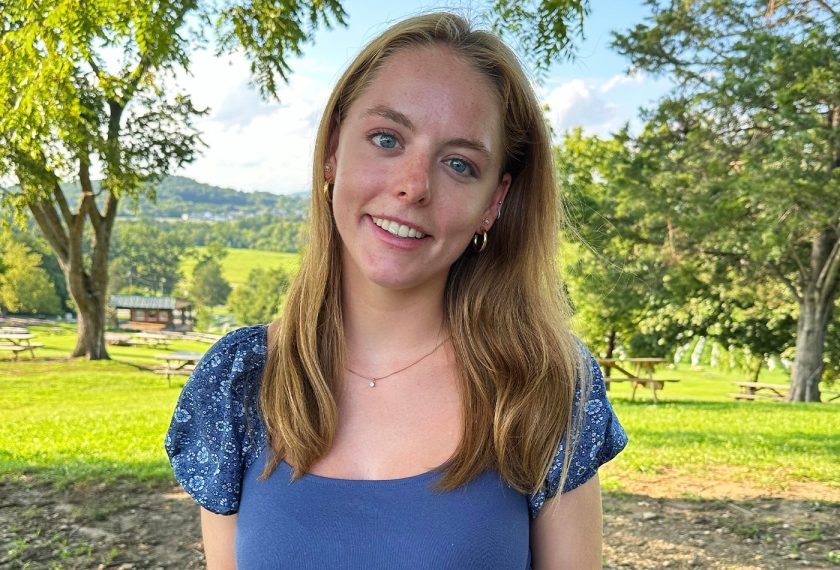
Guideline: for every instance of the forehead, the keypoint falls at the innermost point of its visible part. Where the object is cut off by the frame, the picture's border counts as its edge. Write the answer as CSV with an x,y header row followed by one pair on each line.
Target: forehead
x,y
435,87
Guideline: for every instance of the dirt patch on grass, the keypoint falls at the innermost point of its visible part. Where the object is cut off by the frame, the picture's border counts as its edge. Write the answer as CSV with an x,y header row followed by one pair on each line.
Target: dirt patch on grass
x,y
726,482
130,525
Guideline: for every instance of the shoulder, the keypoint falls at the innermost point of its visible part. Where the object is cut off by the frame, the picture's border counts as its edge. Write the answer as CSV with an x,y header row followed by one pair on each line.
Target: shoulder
x,y
241,350
215,431
227,373
596,435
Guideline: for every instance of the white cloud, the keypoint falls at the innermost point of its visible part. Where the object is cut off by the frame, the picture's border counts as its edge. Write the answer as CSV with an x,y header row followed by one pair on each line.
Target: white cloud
x,y
633,78
253,144
576,104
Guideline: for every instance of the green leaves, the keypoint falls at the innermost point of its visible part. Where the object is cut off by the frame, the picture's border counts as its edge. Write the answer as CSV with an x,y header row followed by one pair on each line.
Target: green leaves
x,y
261,298
269,32
544,31
25,286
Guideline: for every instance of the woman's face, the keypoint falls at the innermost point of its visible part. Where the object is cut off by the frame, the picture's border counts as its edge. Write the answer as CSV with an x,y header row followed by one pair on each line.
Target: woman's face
x,y
416,167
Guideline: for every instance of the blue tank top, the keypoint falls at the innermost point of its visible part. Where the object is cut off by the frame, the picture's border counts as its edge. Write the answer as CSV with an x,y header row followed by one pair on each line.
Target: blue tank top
x,y
319,522
217,446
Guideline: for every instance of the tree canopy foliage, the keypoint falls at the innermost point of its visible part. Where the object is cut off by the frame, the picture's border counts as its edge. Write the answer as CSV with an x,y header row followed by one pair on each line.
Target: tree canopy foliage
x,y
260,299
737,170
25,286
145,260
67,108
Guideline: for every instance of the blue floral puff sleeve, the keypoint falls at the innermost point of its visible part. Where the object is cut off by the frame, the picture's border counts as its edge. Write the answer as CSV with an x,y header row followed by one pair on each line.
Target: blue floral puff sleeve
x,y
215,431
599,438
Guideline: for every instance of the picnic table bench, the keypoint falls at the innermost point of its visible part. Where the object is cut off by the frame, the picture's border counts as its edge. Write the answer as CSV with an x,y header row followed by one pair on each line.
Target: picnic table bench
x,y
118,339
642,376
180,363
16,342
14,330
154,340
760,391
777,392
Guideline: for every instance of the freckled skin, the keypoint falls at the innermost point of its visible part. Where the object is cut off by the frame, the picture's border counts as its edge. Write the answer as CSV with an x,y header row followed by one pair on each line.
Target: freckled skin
x,y
423,176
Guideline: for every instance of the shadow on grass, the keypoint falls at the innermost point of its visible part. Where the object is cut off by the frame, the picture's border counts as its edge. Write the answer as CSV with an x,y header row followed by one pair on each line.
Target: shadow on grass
x,y
61,473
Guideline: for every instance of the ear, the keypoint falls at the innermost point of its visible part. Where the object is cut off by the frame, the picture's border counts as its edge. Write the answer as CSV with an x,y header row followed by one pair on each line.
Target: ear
x,y
496,200
332,148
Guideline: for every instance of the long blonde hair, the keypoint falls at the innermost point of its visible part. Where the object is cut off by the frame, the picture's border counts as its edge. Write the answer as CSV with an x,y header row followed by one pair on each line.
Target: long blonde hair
x,y
504,308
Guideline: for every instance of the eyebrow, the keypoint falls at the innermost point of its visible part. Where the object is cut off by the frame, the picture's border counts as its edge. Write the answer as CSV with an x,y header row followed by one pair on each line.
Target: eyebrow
x,y
390,114
401,119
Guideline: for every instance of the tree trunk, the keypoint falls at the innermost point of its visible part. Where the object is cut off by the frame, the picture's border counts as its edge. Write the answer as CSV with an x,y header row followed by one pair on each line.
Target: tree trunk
x,y
820,287
610,349
810,341
90,340
64,230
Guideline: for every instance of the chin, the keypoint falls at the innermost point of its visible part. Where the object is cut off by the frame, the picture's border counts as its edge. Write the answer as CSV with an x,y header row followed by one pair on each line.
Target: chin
x,y
400,281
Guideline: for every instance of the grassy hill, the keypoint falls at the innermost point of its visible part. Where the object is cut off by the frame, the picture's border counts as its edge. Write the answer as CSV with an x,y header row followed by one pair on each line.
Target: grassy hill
x,y
239,262
176,196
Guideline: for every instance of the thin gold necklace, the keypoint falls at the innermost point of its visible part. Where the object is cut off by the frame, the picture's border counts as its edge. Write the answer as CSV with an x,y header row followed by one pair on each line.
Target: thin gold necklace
x,y
374,379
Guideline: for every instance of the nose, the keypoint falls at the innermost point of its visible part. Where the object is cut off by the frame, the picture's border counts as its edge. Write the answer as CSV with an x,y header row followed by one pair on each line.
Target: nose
x,y
415,186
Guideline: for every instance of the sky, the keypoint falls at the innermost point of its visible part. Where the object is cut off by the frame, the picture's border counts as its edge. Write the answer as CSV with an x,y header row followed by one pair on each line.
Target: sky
x,y
254,144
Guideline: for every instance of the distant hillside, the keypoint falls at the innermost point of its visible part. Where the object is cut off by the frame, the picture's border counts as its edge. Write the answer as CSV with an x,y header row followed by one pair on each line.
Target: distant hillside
x,y
181,197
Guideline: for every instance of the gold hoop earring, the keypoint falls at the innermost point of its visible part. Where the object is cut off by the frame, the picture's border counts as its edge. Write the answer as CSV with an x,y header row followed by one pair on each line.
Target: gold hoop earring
x,y
479,247
327,193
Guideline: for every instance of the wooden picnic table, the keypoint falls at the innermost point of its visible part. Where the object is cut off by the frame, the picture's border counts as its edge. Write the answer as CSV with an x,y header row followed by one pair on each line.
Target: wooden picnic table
x,y
641,375
14,330
180,363
155,340
777,392
761,391
15,342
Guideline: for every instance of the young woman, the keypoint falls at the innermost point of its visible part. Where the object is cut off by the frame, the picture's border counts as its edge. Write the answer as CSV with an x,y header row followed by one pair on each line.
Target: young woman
x,y
422,399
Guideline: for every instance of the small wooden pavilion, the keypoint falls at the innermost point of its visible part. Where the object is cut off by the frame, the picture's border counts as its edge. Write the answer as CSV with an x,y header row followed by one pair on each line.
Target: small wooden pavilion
x,y
154,313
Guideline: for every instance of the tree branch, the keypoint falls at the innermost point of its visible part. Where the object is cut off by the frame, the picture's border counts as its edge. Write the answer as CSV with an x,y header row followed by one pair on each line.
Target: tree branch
x,y
88,202
110,209
135,76
94,67
787,282
827,6
61,200
52,229
826,278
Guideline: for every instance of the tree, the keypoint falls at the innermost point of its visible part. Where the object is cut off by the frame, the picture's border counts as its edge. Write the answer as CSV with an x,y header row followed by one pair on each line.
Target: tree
x,y
24,285
145,259
208,286
64,112
260,299
744,154
631,289
613,267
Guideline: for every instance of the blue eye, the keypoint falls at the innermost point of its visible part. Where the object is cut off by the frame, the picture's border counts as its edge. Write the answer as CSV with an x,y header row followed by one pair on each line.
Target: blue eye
x,y
461,166
385,140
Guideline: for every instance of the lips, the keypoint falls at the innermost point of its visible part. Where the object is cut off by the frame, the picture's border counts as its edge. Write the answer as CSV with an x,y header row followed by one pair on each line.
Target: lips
x,y
398,229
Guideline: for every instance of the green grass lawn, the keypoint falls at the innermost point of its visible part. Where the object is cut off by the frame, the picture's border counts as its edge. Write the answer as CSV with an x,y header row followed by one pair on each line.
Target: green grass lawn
x,y
69,421
239,262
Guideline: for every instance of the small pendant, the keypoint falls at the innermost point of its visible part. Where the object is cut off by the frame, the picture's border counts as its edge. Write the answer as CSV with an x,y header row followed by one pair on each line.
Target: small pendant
x,y
372,384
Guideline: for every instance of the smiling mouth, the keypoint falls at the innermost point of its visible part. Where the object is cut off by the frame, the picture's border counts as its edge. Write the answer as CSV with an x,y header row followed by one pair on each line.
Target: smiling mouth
x,y
396,229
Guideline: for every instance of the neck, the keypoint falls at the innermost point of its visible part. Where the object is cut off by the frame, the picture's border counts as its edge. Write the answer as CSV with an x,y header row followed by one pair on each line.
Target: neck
x,y
384,328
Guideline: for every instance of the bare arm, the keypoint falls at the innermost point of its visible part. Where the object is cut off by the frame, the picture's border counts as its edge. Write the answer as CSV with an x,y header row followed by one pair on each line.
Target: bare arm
x,y
218,532
567,533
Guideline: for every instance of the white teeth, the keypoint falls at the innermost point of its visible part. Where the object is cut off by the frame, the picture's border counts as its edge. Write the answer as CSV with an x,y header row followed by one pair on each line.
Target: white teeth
x,y
396,229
